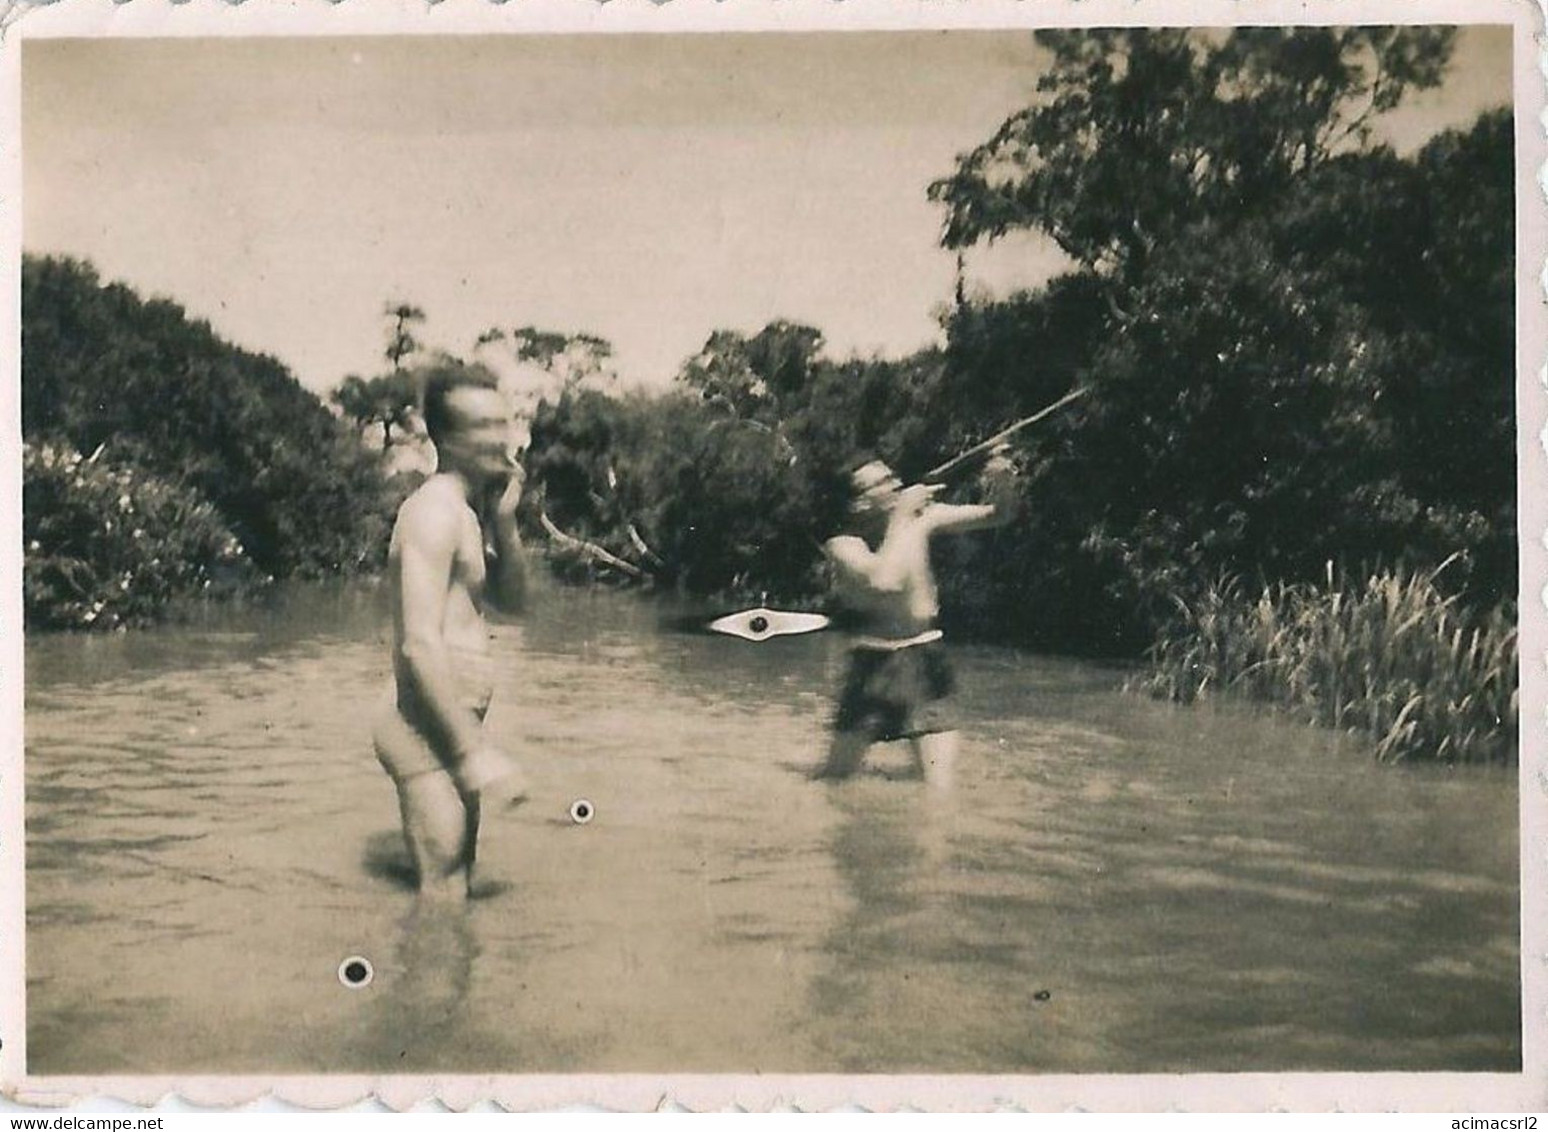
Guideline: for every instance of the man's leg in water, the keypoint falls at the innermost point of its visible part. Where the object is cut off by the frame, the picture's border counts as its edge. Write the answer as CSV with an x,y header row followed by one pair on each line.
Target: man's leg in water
x,y
855,726
844,754
470,805
440,831
436,825
936,752
932,721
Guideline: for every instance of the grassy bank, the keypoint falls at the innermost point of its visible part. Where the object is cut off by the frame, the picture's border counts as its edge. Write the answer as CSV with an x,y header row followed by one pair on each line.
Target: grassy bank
x,y
1392,658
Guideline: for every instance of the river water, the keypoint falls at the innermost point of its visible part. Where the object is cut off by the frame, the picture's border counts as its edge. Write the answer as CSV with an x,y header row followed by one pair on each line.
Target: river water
x,y
1113,884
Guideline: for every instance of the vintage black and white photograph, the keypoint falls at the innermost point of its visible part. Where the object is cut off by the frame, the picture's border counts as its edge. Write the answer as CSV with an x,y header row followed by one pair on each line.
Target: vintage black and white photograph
x,y
976,550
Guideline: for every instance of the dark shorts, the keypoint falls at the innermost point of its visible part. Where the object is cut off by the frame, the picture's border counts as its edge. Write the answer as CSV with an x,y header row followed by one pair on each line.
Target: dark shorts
x,y
897,693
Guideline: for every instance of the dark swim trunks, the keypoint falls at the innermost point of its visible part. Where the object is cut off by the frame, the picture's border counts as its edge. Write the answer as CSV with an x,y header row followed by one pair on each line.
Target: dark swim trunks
x,y
897,693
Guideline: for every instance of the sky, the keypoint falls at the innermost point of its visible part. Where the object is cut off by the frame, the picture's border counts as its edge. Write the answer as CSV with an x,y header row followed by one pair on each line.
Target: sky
x,y
646,188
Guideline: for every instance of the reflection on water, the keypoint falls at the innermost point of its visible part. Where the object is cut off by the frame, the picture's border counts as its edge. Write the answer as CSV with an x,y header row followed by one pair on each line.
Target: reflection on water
x,y
1114,884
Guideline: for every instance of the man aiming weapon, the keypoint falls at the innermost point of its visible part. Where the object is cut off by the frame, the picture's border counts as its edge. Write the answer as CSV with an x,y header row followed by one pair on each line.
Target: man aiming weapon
x,y
898,681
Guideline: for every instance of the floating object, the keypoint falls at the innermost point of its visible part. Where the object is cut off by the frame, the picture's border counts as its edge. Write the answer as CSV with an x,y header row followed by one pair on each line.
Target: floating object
x,y
355,972
760,624
582,811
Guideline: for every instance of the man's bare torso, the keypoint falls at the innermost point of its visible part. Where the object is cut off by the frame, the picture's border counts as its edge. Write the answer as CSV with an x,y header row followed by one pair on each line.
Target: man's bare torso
x,y
895,590
463,630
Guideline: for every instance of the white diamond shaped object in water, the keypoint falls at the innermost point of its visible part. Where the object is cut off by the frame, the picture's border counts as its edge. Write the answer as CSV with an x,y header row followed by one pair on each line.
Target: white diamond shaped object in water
x,y
760,624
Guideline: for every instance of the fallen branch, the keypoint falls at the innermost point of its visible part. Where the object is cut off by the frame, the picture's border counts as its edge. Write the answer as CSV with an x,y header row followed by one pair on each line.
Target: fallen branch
x,y
642,546
580,545
634,532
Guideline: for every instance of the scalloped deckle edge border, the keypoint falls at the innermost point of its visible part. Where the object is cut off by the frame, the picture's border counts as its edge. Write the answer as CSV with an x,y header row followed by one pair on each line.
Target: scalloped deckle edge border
x,y
21,19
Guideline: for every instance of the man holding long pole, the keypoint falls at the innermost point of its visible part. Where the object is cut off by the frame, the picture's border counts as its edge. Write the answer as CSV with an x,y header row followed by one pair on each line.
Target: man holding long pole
x,y
898,681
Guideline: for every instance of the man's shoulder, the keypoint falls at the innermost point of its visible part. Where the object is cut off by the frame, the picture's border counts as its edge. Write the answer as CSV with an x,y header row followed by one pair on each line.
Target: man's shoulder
x,y
842,545
434,509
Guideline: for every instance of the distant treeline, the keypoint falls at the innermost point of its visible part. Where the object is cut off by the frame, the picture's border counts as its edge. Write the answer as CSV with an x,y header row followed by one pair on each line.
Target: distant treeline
x,y
160,461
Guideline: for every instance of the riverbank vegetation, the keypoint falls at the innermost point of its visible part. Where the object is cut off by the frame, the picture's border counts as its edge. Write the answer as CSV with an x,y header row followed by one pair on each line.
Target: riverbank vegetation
x,y
1296,346
1392,657
161,461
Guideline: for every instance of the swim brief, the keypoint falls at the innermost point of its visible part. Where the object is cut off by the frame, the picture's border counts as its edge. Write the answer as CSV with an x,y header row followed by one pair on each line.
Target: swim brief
x,y
404,750
897,689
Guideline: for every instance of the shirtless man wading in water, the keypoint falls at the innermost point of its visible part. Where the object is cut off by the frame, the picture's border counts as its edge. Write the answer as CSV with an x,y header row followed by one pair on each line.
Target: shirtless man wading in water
x,y
899,680
455,550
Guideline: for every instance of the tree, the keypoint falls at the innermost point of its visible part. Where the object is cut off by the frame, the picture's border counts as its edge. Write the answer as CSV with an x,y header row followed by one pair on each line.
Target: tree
x,y
387,400
1141,133
1280,333
759,378
572,358
400,338
105,370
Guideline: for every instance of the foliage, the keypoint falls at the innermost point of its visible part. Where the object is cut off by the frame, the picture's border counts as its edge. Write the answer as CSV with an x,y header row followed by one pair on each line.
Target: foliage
x,y
102,367
387,400
110,544
752,378
1296,349
730,481
1391,658
573,358
1143,133
400,337
668,482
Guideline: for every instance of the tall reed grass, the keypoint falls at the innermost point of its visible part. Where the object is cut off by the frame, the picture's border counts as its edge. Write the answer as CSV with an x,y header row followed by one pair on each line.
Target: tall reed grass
x,y
1391,657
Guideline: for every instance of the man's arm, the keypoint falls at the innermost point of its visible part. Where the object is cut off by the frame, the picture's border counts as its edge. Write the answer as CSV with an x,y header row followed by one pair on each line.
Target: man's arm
x,y
428,534
506,567
1004,501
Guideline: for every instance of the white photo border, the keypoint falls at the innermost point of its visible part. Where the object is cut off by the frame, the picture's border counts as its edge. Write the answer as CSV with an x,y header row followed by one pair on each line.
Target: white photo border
x,y
1253,1092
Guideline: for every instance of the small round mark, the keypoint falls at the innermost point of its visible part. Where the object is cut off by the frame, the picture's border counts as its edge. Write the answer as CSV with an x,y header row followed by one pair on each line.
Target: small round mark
x,y
356,972
582,811
758,624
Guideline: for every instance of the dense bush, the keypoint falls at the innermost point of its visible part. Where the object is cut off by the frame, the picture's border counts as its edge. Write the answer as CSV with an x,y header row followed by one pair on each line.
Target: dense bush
x,y
103,367
700,500
207,446
110,544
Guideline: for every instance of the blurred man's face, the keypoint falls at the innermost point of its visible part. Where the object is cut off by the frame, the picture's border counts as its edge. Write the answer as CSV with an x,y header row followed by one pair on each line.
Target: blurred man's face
x,y
484,439
876,488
